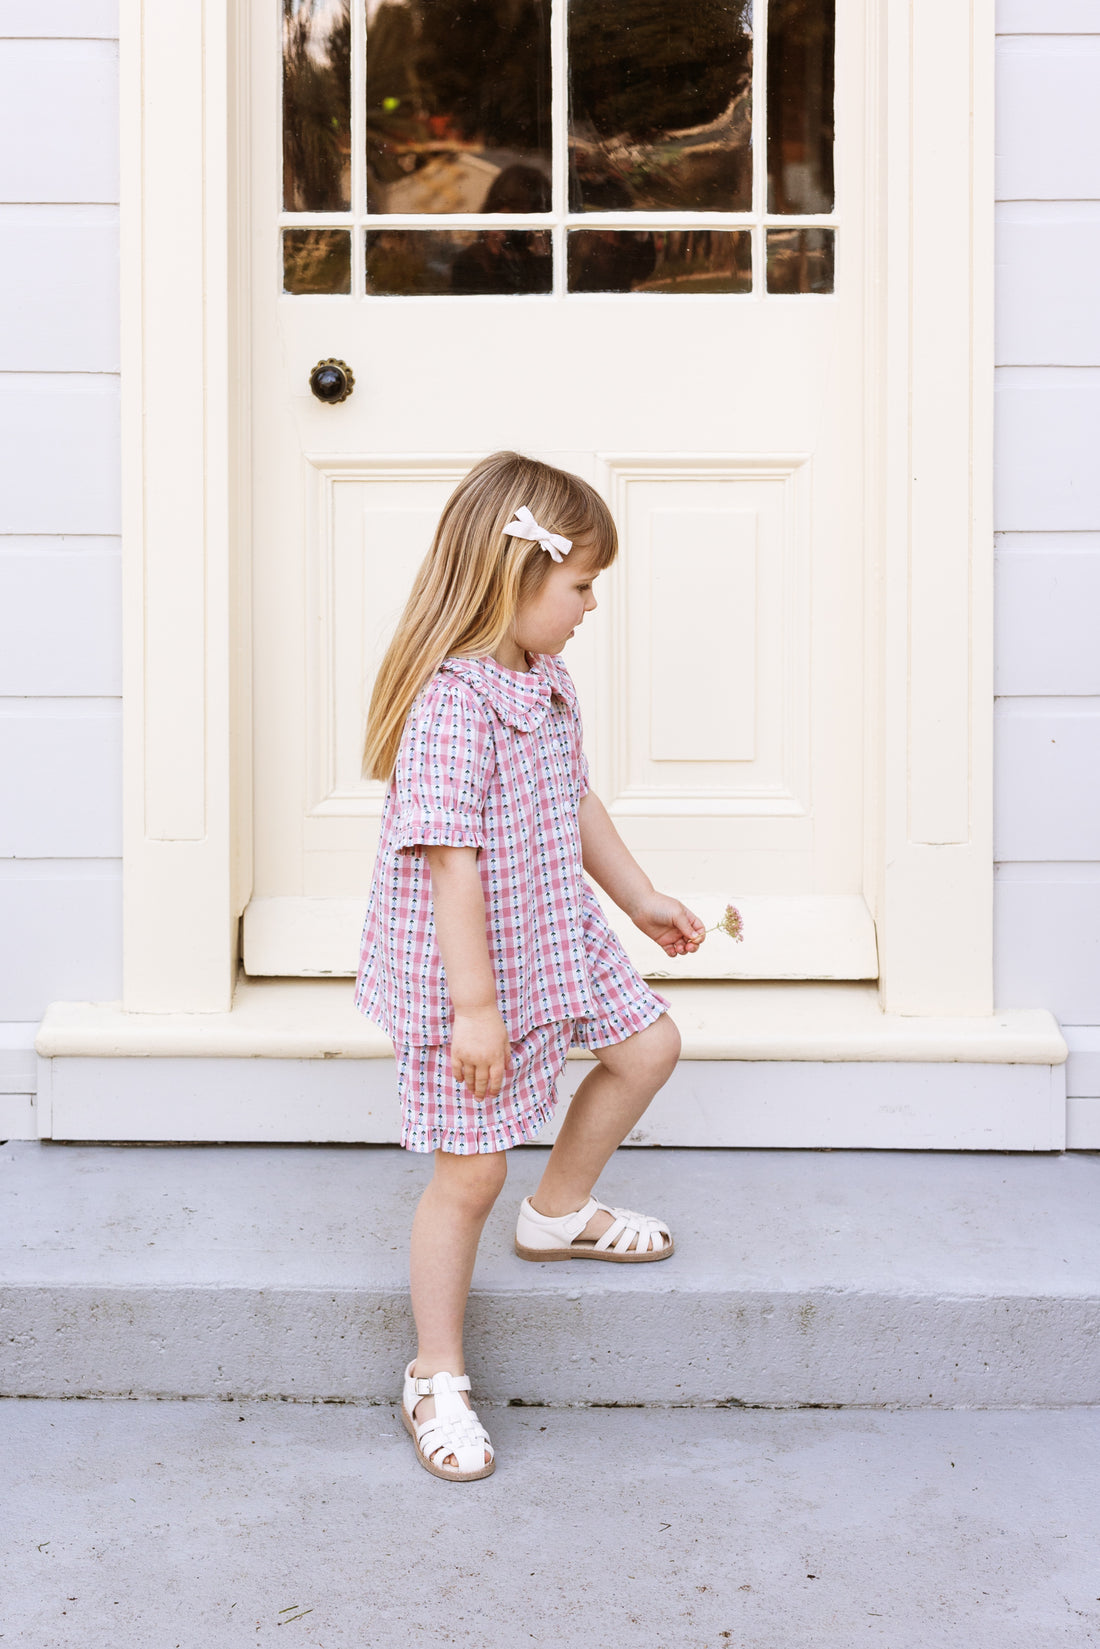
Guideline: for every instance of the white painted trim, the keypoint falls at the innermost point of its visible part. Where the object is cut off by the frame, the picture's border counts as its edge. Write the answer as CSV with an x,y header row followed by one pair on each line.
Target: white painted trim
x,y
186,719
178,538
890,1105
787,936
718,1019
932,817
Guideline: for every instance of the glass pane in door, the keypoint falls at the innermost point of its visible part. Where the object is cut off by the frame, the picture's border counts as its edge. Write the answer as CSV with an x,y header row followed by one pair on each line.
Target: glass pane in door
x,y
316,105
660,105
458,105
801,44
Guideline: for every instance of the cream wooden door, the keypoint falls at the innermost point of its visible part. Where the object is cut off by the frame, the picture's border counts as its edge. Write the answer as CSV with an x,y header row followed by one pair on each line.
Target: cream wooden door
x,y
653,285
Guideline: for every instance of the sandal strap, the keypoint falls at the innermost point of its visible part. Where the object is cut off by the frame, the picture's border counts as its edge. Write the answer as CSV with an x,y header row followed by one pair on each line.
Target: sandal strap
x,y
626,1225
425,1385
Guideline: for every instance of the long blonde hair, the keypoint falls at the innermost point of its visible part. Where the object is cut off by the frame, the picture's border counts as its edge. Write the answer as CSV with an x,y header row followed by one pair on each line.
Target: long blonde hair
x,y
468,587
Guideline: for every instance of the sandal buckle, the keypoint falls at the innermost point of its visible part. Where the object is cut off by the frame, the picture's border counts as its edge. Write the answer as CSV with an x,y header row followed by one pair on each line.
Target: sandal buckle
x,y
424,1386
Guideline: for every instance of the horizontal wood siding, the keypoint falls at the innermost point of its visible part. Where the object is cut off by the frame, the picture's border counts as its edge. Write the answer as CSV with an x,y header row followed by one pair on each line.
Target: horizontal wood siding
x,y
1047,516
60,643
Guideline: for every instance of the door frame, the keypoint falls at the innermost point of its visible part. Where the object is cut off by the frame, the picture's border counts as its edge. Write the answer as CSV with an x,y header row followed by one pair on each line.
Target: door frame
x,y
186,554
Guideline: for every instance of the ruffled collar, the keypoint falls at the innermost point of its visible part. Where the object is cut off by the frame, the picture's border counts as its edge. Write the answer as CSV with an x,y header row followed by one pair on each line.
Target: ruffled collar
x,y
519,697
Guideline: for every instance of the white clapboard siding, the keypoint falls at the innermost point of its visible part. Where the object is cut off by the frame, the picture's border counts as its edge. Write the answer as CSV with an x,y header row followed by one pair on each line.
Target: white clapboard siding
x,y
1047,924
52,19
1048,602
1083,1064
1047,17
1047,779
60,618
1046,476
62,766
59,120
59,453
1048,125
62,927
59,288
1048,254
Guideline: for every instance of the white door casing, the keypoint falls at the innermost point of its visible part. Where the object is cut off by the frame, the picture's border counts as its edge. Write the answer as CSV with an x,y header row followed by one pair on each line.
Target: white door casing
x,y
722,681
924,115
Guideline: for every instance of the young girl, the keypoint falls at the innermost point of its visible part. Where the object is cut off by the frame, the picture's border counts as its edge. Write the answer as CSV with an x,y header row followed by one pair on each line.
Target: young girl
x,y
485,953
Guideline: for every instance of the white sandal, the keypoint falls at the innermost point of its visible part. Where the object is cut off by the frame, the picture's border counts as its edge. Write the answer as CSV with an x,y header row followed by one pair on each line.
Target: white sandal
x,y
541,1237
453,1429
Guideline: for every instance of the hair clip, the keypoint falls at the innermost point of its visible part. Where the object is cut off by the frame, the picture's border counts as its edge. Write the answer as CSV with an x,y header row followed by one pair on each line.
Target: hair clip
x,y
525,526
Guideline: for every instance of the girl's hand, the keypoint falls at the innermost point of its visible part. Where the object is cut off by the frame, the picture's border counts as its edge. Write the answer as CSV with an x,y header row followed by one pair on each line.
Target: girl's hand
x,y
481,1055
677,930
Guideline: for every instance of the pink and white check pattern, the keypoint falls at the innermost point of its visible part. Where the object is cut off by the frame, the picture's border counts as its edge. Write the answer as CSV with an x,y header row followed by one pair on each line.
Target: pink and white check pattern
x,y
490,758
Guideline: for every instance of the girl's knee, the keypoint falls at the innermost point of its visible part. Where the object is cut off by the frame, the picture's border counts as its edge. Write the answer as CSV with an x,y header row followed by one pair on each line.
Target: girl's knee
x,y
647,1054
475,1180
667,1042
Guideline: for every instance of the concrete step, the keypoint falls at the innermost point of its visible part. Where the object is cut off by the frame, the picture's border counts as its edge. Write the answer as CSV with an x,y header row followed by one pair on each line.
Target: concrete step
x,y
211,1525
800,1278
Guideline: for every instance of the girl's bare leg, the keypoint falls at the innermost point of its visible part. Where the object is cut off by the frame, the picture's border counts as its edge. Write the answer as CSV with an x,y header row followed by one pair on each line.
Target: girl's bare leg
x,y
602,1112
446,1230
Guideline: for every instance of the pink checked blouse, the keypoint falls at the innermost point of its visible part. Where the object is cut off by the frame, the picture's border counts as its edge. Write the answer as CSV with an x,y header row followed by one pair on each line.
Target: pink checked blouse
x,y
489,758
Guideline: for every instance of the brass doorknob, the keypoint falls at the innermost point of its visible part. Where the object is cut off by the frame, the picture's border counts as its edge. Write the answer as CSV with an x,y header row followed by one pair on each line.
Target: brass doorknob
x,y
332,381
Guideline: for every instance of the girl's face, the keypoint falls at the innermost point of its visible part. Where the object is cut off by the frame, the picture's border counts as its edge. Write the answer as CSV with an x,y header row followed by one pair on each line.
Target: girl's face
x,y
545,623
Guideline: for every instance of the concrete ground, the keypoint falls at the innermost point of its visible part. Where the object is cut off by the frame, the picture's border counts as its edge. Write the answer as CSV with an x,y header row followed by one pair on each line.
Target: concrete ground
x,y
213,1525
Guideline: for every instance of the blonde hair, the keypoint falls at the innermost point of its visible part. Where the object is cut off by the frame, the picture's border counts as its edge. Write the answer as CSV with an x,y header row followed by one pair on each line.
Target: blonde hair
x,y
471,582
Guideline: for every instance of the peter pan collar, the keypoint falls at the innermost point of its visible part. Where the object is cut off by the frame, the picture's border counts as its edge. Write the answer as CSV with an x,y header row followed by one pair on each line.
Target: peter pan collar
x,y
519,697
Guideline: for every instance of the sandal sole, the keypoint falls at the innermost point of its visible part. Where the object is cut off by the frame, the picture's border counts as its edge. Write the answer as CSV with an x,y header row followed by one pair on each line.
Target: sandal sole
x,y
589,1253
440,1471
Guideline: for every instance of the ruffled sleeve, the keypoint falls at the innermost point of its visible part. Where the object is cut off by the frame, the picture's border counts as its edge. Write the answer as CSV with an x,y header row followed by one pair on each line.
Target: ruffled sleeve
x,y
444,768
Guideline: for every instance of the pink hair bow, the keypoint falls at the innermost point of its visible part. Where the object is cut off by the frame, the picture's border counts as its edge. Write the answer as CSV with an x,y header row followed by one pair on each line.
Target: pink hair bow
x,y
525,526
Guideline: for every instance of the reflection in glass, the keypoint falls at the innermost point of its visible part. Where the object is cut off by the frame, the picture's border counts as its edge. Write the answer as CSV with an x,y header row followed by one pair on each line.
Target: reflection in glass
x,y
458,98
316,260
660,105
316,105
420,263
674,260
800,260
801,40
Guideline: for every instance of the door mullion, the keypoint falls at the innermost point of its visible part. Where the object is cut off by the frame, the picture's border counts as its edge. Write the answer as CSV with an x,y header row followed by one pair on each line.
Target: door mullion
x,y
759,143
358,142
559,136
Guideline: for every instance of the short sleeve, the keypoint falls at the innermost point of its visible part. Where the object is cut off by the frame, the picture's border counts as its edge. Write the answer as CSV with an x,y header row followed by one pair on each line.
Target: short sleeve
x,y
444,767
583,772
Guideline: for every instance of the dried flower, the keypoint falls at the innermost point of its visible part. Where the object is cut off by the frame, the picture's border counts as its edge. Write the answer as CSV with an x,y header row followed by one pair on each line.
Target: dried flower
x,y
732,923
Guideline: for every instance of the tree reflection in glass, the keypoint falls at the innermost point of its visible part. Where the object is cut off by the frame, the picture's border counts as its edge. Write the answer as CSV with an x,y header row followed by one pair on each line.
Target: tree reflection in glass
x,y
424,263
660,105
800,260
458,93
801,43
316,105
674,260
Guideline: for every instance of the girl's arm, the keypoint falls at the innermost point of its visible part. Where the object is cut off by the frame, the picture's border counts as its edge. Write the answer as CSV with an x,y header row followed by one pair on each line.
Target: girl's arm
x,y
480,1050
609,861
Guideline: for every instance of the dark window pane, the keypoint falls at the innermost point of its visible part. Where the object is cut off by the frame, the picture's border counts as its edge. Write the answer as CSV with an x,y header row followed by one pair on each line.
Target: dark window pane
x,y
316,105
421,262
800,260
660,105
458,105
801,42
674,260
316,260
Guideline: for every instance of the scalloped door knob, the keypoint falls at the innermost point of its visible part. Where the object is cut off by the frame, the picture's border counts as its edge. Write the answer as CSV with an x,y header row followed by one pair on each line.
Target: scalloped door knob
x,y
332,381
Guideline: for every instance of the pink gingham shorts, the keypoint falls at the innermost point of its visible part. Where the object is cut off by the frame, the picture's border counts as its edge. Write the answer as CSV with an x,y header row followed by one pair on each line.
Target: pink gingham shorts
x,y
439,1114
